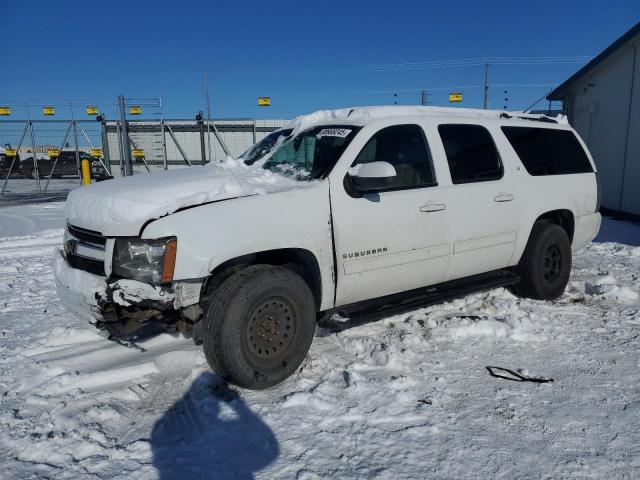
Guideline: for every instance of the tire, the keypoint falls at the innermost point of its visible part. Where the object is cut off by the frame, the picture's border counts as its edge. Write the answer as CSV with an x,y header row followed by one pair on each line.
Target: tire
x,y
545,265
259,326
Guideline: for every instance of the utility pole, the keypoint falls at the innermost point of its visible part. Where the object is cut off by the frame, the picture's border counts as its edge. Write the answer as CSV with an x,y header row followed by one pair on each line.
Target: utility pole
x,y
486,86
203,150
425,98
206,94
124,139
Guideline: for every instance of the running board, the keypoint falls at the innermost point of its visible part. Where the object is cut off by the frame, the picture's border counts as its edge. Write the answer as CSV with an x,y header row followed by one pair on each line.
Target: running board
x,y
379,308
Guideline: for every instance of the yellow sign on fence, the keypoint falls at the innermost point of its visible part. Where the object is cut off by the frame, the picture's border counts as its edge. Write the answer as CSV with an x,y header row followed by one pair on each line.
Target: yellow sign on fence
x,y
455,97
138,153
91,110
135,110
10,152
264,101
48,111
53,152
96,152
5,110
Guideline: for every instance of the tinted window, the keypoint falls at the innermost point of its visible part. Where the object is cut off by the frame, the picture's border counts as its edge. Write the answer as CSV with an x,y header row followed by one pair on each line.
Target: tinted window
x,y
546,151
404,147
471,153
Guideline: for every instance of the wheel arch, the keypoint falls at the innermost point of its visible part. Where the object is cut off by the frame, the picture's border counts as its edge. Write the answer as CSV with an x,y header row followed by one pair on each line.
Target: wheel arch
x,y
299,260
562,217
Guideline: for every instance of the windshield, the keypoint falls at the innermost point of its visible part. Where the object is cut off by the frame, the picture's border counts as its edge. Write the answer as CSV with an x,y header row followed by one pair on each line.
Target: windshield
x,y
264,146
307,156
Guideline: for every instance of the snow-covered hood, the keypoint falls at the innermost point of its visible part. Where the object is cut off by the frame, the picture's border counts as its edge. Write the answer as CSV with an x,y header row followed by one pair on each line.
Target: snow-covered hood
x,y
120,207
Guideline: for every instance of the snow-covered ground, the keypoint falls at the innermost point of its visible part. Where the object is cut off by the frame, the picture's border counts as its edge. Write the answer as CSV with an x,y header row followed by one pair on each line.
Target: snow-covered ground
x,y
406,397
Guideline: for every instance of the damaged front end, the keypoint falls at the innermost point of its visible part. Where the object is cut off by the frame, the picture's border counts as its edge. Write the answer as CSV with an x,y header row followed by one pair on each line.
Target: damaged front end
x,y
128,305
122,307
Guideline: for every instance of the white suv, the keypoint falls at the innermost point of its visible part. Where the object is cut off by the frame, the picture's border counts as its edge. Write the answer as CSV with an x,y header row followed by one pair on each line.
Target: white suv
x,y
363,212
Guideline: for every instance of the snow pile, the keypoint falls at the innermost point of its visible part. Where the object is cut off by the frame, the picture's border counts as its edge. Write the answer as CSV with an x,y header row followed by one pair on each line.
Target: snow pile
x,y
497,314
143,197
604,287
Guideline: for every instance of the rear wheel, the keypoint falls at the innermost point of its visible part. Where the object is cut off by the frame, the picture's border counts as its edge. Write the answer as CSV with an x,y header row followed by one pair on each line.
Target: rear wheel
x,y
259,326
545,265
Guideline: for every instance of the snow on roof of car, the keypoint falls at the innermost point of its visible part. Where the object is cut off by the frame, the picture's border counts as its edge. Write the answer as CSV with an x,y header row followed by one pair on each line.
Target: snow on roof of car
x,y
364,115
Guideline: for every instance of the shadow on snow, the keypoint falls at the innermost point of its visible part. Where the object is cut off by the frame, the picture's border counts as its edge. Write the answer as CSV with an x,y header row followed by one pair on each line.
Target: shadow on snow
x,y
211,433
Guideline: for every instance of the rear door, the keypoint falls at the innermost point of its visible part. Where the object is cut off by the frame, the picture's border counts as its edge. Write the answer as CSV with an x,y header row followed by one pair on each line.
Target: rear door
x,y
482,200
395,239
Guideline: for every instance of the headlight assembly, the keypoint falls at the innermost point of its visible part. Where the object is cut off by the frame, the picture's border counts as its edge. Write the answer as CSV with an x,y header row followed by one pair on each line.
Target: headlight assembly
x,y
148,261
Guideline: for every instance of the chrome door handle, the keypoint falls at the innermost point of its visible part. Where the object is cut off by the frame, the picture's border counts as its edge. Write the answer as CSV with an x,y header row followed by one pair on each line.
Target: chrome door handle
x,y
432,207
504,197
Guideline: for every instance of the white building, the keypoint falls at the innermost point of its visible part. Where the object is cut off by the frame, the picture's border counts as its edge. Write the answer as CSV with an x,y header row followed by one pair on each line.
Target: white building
x,y
602,101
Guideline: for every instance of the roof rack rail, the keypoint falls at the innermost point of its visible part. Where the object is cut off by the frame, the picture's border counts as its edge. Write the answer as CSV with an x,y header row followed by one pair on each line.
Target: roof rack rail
x,y
540,118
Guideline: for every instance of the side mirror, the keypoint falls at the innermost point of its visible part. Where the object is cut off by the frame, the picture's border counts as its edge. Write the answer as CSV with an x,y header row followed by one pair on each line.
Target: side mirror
x,y
368,177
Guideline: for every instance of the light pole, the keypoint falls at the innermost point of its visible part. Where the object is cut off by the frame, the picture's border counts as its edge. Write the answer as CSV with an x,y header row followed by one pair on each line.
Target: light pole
x,y
486,86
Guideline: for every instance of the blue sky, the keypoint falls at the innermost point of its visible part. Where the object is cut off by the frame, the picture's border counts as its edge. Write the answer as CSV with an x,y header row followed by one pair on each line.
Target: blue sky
x,y
304,55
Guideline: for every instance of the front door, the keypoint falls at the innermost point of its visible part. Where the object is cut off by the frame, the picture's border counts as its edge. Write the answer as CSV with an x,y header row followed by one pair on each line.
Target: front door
x,y
396,239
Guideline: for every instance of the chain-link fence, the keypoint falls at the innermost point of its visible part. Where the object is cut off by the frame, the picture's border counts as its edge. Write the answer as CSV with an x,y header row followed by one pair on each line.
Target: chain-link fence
x,y
41,159
168,144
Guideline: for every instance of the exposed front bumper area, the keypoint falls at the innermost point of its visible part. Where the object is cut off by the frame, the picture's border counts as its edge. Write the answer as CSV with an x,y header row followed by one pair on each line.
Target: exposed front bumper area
x,y
121,307
79,291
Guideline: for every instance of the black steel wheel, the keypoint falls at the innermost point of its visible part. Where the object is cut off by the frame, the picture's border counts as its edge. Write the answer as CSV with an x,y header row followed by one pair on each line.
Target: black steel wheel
x,y
270,329
545,265
552,263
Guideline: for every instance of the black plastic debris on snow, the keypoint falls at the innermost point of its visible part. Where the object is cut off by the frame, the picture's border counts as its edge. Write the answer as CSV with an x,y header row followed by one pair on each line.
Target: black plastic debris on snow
x,y
507,374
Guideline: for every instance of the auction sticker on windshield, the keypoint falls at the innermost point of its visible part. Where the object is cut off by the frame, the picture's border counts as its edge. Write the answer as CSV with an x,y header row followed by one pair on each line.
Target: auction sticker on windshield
x,y
334,132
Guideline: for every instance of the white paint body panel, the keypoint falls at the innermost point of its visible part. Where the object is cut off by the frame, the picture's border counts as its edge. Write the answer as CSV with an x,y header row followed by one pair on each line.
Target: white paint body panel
x,y
416,245
483,231
209,235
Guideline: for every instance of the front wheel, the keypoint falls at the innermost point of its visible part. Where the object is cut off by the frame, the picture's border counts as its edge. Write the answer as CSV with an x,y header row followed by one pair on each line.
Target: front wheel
x,y
545,265
259,326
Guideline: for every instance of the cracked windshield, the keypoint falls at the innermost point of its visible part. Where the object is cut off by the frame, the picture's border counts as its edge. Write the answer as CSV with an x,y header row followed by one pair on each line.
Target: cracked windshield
x,y
307,156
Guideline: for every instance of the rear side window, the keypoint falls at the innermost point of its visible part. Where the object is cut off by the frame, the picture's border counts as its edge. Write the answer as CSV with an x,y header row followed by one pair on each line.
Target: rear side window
x,y
471,153
546,151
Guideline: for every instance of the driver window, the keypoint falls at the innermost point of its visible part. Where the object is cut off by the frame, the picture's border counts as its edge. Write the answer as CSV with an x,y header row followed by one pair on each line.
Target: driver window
x,y
405,147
